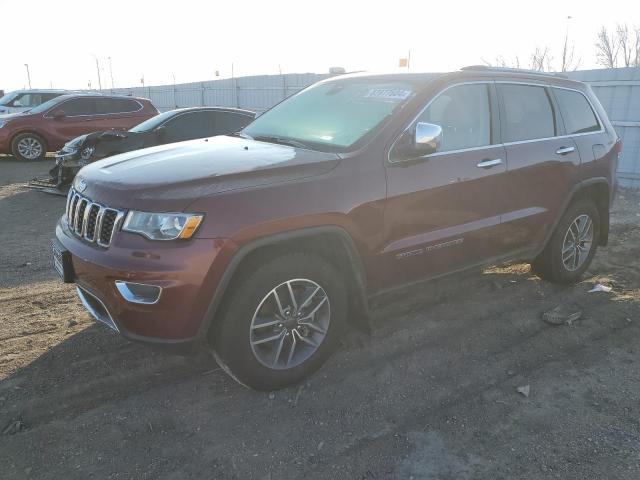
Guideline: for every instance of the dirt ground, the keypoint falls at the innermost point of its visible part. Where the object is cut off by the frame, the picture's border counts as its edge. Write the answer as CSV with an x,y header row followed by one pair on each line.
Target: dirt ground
x,y
431,394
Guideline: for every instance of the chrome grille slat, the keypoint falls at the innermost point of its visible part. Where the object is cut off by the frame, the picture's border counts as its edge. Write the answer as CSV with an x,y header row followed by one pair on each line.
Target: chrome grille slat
x,y
91,221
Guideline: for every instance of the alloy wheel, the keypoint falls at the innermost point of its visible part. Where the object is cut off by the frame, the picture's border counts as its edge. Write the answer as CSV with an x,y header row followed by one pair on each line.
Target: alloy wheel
x,y
577,243
290,324
30,148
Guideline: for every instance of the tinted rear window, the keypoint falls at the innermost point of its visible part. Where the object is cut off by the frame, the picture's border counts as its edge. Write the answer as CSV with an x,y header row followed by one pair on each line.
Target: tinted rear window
x,y
78,106
527,113
116,105
576,112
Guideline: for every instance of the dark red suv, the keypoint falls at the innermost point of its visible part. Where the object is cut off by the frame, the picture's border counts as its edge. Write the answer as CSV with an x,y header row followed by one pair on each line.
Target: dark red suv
x,y
265,243
31,134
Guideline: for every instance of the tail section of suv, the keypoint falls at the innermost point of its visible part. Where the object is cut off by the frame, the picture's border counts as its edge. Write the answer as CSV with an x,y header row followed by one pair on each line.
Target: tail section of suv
x,y
264,244
30,135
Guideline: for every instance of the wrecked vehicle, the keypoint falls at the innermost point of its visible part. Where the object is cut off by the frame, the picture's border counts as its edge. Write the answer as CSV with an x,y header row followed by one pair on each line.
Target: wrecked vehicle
x,y
168,127
264,244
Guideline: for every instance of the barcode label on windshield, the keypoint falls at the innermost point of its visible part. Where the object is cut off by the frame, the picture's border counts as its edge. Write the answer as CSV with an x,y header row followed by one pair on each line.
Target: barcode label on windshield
x,y
388,93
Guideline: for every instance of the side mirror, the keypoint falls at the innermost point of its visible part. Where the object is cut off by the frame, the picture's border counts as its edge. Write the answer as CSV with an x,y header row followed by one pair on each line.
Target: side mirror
x,y
425,139
59,114
428,138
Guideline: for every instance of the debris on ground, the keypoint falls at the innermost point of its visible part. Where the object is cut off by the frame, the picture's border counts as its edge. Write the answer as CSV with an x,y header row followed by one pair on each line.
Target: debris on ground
x,y
524,390
14,427
600,288
562,315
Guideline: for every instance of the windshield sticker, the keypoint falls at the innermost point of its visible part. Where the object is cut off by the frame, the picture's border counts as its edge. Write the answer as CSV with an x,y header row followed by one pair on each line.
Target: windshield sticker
x,y
388,93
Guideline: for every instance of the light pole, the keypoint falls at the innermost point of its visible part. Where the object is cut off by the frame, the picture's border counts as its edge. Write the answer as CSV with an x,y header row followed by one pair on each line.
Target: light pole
x,y
98,69
28,74
111,72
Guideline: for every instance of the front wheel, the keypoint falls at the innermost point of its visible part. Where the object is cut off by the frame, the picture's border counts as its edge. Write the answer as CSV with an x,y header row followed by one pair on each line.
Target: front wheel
x,y
281,322
572,245
28,146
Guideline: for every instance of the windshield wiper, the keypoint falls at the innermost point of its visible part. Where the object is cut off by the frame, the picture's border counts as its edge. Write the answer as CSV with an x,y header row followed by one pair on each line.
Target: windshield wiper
x,y
281,141
240,134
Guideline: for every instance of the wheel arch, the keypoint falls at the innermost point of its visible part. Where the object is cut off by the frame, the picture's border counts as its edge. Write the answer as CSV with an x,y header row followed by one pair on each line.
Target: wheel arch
x,y
33,132
599,190
331,242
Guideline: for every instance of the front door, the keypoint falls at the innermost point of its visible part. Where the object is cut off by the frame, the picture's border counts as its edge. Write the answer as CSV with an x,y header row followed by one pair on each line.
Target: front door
x,y
443,210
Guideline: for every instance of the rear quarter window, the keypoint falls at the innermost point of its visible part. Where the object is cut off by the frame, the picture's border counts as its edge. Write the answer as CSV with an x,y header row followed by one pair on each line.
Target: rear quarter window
x,y
577,114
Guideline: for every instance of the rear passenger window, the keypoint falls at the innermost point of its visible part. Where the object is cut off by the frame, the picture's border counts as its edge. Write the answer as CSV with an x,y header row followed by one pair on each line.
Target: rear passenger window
x,y
463,114
79,106
527,113
576,112
116,105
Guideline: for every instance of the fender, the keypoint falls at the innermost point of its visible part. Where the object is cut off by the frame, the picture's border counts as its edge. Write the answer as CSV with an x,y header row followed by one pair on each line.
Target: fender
x,y
361,304
577,188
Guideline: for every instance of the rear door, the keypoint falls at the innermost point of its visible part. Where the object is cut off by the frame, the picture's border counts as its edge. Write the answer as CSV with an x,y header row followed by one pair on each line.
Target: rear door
x,y
443,210
541,164
117,113
586,129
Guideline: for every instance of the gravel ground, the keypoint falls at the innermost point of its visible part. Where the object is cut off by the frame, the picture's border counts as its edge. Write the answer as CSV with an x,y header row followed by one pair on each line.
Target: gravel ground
x,y
431,394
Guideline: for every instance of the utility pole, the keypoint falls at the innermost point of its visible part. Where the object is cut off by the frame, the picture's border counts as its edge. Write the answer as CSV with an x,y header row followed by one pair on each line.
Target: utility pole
x,y
98,69
111,73
28,74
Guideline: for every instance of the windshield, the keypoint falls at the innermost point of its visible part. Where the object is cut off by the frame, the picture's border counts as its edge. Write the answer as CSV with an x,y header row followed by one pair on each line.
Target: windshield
x,y
8,97
332,116
43,107
152,123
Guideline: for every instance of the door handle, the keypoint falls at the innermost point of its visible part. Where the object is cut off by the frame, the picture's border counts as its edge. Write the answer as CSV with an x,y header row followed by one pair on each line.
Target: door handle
x,y
489,163
565,150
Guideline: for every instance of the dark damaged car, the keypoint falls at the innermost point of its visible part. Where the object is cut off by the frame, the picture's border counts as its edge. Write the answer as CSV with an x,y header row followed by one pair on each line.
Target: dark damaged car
x,y
168,127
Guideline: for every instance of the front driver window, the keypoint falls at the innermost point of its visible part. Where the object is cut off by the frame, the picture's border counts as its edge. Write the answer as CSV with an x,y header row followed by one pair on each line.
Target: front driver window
x,y
463,114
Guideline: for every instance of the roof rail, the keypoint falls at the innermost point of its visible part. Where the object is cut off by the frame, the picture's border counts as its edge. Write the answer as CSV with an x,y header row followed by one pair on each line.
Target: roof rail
x,y
488,68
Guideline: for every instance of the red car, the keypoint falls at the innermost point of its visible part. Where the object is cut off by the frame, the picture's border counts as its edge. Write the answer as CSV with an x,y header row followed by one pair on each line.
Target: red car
x,y
30,135
263,244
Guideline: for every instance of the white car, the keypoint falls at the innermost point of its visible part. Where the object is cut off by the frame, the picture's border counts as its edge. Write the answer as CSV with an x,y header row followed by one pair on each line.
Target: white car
x,y
21,100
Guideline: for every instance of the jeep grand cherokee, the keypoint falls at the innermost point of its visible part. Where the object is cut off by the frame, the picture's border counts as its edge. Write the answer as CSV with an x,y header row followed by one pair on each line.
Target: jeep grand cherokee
x,y
263,244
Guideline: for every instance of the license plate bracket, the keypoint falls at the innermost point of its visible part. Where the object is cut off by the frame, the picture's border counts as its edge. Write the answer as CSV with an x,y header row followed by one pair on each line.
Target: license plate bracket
x,y
62,261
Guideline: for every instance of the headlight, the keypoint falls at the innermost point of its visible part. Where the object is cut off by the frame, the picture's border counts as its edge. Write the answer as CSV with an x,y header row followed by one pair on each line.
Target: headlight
x,y
162,226
3,123
85,153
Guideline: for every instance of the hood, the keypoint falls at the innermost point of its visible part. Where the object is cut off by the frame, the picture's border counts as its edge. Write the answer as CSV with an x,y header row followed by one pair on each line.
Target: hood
x,y
10,116
169,177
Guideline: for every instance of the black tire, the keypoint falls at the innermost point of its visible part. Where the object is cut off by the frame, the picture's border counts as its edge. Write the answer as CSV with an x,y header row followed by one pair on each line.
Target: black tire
x,y
34,139
549,265
230,334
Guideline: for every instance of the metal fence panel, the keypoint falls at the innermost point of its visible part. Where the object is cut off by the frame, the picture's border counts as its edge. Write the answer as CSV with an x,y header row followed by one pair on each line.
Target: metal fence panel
x,y
618,89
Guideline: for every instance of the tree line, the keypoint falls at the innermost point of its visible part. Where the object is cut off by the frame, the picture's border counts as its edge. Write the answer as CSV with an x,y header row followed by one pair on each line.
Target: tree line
x,y
616,47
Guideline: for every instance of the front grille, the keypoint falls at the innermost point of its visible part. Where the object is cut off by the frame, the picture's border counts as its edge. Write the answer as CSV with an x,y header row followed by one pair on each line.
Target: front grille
x,y
91,221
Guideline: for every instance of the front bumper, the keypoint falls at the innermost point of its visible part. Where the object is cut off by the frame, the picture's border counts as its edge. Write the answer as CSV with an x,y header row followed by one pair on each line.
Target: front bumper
x,y
188,273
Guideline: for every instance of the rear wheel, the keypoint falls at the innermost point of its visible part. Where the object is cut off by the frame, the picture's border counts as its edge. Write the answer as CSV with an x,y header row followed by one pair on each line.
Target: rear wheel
x,y
28,146
572,245
281,322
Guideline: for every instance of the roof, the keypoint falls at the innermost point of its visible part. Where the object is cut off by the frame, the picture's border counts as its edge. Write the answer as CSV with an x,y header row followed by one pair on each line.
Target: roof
x,y
220,109
96,95
471,71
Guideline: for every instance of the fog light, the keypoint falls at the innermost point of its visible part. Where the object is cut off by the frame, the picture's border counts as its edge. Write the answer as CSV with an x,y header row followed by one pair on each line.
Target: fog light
x,y
139,292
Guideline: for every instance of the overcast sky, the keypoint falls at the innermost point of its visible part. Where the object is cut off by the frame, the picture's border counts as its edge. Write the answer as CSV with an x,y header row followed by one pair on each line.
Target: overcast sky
x,y
191,39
